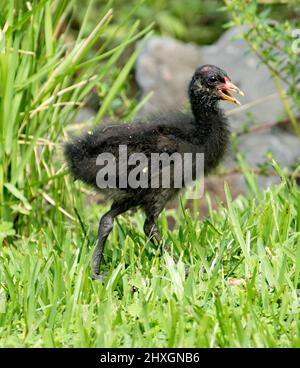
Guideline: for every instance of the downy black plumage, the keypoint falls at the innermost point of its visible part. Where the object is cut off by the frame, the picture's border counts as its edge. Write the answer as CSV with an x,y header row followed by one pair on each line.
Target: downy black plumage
x,y
205,130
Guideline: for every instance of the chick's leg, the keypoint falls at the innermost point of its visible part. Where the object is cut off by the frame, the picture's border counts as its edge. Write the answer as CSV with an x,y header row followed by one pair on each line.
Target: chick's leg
x,y
153,206
105,227
151,229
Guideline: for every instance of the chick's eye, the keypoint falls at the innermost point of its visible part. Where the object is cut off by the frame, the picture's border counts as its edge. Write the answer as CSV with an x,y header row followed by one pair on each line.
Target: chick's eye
x,y
212,79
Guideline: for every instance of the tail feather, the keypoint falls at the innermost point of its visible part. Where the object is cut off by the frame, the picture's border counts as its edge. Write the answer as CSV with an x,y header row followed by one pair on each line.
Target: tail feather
x,y
81,162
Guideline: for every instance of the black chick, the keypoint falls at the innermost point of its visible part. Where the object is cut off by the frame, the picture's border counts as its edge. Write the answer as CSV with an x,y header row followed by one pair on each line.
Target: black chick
x,y
204,131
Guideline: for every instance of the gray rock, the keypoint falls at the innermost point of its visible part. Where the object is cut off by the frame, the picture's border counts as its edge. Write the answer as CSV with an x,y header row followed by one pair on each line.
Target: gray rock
x,y
284,146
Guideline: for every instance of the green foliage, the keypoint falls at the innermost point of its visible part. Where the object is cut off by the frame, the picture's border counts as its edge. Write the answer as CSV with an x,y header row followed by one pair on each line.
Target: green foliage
x,y
275,43
241,290
197,21
45,78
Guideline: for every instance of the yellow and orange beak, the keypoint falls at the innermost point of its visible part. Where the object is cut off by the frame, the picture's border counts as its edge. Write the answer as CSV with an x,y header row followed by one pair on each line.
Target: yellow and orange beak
x,y
227,87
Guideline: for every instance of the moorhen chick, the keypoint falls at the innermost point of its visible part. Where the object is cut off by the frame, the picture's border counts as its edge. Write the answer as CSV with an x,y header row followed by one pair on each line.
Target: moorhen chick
x,y
205,130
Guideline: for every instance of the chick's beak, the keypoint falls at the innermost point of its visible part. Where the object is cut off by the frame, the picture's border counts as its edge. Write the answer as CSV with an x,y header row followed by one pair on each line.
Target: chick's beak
x,y
230,87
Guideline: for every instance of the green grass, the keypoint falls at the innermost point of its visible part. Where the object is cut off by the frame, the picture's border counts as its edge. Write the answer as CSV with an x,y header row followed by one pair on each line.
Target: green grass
x,y
197,21
241,290
244,258
45,78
